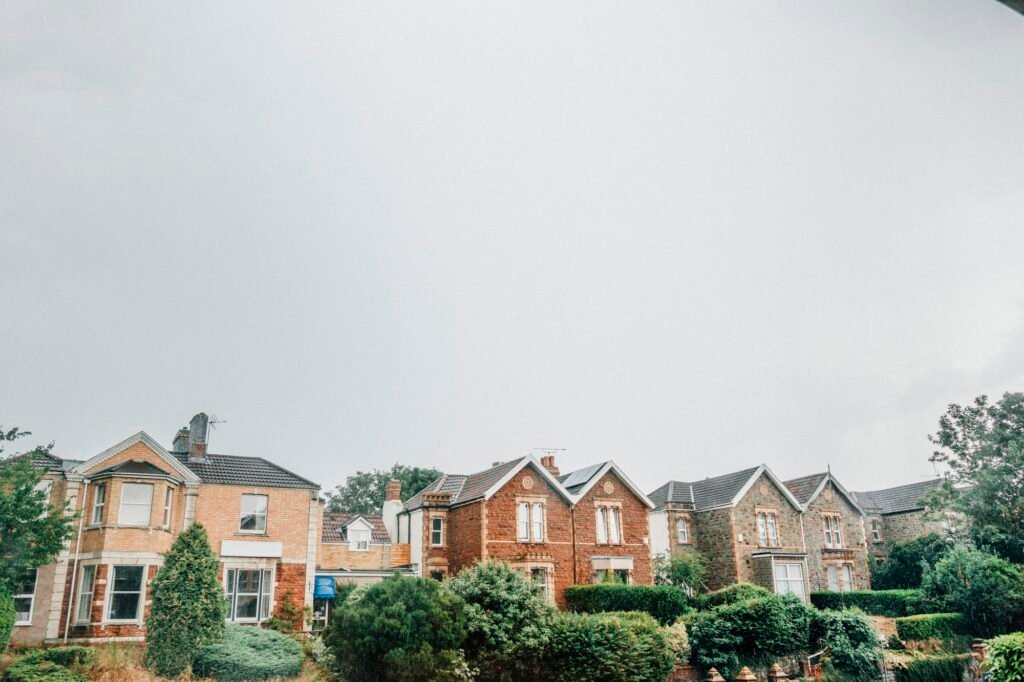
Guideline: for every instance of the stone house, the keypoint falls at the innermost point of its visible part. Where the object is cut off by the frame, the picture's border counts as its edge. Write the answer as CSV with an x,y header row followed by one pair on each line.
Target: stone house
x,y
747,525
560,530
132,500
899,514
834,533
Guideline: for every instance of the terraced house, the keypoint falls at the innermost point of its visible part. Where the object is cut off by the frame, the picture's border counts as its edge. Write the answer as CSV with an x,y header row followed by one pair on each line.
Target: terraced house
x,y
560,530
900,514
133,499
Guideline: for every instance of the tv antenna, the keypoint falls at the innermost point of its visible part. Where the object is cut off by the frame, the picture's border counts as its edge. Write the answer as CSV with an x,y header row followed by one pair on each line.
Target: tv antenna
x,y
213,424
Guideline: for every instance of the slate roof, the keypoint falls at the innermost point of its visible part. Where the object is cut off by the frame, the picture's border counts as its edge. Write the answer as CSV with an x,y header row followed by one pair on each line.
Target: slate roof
x,y
574,481
465,488
902,498
803,487
41,460
134,467
717,491
236,470
333,529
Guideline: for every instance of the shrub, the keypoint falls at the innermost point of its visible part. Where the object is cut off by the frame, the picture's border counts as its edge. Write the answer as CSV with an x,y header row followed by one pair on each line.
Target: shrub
x,y
937,668
989,591
678,640
942,626
508,620
902,568
852,642
249,653
290,615
729,595
607,647
188,604
755,631
664,602
31,670
66,656
891,603
687,571
401,629
1007,658
7,617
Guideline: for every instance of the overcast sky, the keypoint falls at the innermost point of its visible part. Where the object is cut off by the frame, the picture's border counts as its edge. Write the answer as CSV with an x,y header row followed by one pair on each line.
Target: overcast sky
x,y
691,237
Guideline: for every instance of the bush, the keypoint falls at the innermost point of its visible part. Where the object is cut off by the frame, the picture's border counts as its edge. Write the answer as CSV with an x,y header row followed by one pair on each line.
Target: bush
x,y
902,568
66,656
30,670
678,640
508,621
249,653
7,617
852,642
1006,654
607,647
891,603
401,629
729,595
756,632
989,591
944,626
188,604
937,668
687,571
664,602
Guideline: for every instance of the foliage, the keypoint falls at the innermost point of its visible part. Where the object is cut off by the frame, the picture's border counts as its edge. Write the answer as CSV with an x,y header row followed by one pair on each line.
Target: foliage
x,y
32,532
989,591
67,656
249,653
935,668
755,631
664,602
852,643
363,492
894,643
678,640
7,616
322,655
34,670
903,567
983,446
687,571
1006,654
729,595
943,626
607,647
188,604
508,620
890,603
289,615
401,629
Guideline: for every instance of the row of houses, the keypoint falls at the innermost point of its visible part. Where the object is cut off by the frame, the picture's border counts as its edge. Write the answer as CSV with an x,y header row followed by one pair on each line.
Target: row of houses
x,y
278,546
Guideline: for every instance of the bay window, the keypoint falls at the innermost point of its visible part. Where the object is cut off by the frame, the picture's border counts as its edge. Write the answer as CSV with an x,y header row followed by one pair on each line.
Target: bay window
x,y
789,579
136,504
99,501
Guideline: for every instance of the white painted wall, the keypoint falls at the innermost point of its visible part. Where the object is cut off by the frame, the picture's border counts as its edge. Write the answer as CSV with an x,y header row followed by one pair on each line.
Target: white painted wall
x,y
416,540
658,521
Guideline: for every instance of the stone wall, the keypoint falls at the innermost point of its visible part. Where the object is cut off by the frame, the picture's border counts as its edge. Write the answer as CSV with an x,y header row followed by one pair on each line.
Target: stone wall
x,y
764,495
715,539
854,548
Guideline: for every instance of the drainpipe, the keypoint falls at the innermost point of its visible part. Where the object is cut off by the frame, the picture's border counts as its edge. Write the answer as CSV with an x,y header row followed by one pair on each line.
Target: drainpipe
x,y
572,523
74,570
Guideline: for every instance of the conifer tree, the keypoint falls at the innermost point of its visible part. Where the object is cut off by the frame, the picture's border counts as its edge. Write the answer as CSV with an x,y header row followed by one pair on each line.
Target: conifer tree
x,y
188,604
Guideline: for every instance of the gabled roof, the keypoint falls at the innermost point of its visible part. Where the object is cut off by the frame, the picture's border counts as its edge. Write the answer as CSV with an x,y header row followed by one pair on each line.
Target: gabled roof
x,y
718,491
147,440
135,467
40,460
335,527
483,484
236,470
807,488
580,482
902,498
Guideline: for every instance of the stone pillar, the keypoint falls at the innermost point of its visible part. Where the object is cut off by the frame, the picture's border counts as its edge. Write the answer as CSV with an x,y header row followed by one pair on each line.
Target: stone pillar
x,y
746,676
714,676
191,502
777,673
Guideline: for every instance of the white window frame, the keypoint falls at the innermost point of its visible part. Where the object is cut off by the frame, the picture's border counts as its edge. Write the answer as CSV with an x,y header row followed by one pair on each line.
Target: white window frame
x,y
773,529
265,515
847,584
614,526
168,506
123,504
784,584
537,522
436,531
140,609
602,526
833,531
832,573
530,521
767,529
682,531
30,596
359,539
876,531
523,521
264,593
99,503
85,595
45,486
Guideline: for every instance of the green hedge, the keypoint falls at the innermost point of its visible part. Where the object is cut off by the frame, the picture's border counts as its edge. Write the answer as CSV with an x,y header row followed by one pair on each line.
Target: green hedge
x,y
607,647
891,603
249,653
1006,657
34,670
942,626
7,616
729,595
664,602
939,668
66,656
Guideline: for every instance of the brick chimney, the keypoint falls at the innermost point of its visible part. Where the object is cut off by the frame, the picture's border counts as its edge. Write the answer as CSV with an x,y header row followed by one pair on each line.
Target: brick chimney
x,y
181,441
393,491
197,438
548,462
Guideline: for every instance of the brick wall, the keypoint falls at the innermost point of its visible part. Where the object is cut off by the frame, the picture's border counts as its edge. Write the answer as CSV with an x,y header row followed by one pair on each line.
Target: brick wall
x,y
853,552
333,555
464,535
764,495
611,492
96,629
290,588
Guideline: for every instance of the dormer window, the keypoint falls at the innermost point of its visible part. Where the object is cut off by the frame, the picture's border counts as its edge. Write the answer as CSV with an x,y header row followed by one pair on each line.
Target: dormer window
x,y
358,539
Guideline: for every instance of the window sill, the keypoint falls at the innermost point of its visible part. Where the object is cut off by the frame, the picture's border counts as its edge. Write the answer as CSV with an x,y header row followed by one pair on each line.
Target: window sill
x,y
23,624
257,533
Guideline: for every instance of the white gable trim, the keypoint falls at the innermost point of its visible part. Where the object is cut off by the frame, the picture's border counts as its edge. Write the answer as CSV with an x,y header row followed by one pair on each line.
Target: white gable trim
x,y
613,467
147,440
763,469
359,519
839,486
523,463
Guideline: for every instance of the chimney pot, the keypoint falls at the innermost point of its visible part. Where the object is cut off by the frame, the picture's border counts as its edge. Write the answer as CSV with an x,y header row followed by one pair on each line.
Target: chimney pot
x,y
393,492
548,462
197,437
181,441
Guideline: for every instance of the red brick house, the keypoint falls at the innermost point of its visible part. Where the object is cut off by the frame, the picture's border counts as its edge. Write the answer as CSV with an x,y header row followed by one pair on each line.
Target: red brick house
x,y
560,530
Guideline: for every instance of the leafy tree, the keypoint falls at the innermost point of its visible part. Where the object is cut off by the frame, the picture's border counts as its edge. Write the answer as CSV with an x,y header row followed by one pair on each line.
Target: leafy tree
x,y
904,567
32,532
363,492
983,446
852,642
7,616
508,619
687,571
188,604
988,590
399,630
